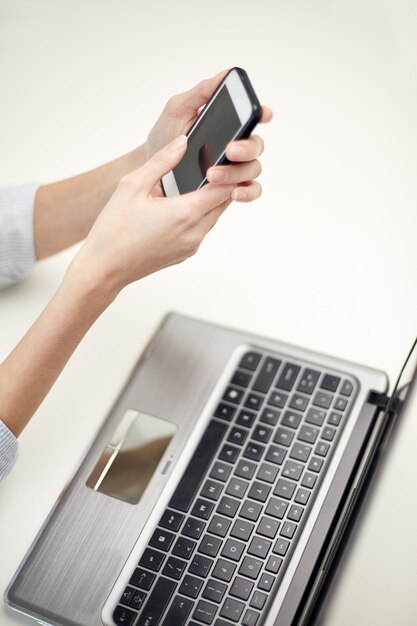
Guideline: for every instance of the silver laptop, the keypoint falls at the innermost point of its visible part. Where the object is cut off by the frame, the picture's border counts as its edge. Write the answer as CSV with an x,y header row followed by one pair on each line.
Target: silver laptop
x,y
217,491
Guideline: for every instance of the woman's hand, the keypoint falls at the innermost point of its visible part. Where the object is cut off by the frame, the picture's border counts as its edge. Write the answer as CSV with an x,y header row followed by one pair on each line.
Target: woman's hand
x,y
177,117
137,234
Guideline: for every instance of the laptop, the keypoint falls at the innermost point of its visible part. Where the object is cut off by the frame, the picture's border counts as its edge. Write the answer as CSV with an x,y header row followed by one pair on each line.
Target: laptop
x,y
217,491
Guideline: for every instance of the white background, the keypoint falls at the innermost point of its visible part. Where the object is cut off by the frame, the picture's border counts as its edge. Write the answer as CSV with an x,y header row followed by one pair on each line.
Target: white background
x,y
325,259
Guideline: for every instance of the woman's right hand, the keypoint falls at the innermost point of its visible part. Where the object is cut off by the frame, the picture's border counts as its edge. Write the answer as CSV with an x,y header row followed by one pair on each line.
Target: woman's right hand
x,y
137,234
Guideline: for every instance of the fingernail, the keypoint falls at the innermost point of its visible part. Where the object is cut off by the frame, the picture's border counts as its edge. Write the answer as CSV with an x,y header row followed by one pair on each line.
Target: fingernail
x,y
235,152
216,176
179,142
239,194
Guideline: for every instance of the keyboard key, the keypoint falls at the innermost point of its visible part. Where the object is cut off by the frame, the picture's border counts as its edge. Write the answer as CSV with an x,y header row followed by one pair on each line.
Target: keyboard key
x,y
200,565
334,418
171,520
250,618
197,467
191,586
253,401
259,491
266,581
220,471
225,412
275,454
241,588
209,545
259,547
258,600
291,419
157,602
288,529
309,480
308,434
274,564
308,381
315,417
250,510
323,400
184,547
268,527
270,416
328,433
250,567
267,472
242,379
340,404
276,508
152,559
233,549
174,568
228,506
250,361
242,529
211,490
193,528
237,436
266,375
178,612
300,452
237,487
246,418
288,377
202,508
138,600
161,539
278,399
302,496
123,617
330,383
229,453
347,388
261,433
299,403
253,451
292,470
322,448
205,612
224,570
295,513
214,590
315,464
127,596
281,547
284,489
219,526
232,609
245,469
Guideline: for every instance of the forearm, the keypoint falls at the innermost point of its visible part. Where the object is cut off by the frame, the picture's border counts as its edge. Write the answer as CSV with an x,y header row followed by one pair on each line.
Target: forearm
x,y
29,372
66,210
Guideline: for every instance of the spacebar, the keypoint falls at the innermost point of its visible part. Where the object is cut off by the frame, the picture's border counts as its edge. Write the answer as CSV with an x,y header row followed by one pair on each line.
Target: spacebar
x,y
157,603
197,467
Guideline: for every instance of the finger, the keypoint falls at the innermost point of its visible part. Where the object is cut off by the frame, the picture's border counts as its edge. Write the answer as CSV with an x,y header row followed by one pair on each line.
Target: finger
x,y
209,220
146,177
247,192
190,101
236,173
267,115
245,149
203,200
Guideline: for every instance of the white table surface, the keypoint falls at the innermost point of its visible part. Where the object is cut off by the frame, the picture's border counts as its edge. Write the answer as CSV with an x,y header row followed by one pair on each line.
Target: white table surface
x,y
325,259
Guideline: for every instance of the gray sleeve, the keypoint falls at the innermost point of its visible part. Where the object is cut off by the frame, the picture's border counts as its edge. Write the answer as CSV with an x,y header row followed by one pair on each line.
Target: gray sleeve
x,y
17,246
8,450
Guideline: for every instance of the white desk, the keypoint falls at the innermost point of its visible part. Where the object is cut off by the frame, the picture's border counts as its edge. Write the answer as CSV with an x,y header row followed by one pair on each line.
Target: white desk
x,y
326,259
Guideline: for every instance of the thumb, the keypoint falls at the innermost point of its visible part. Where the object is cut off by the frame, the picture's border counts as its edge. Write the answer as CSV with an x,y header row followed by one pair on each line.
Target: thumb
x,y
161,163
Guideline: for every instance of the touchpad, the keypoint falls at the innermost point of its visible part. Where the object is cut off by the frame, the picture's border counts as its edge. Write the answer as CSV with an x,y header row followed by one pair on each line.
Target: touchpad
x,y
132,455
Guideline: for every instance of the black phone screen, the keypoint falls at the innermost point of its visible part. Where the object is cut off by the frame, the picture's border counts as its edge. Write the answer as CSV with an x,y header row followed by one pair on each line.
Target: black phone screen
x,y
207,142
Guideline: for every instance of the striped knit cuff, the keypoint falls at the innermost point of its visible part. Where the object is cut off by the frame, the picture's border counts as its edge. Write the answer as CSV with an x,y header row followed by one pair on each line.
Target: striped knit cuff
x,y
8,450
17,246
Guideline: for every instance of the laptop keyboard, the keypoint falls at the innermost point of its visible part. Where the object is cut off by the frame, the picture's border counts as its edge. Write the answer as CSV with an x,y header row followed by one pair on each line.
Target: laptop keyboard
x,y
224,541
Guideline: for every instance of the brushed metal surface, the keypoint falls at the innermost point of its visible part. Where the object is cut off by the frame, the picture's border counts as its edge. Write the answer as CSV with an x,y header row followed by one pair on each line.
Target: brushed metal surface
x,y
77,556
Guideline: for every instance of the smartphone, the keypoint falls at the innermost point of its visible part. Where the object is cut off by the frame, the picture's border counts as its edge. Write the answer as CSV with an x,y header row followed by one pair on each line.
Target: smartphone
x,y
231,113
